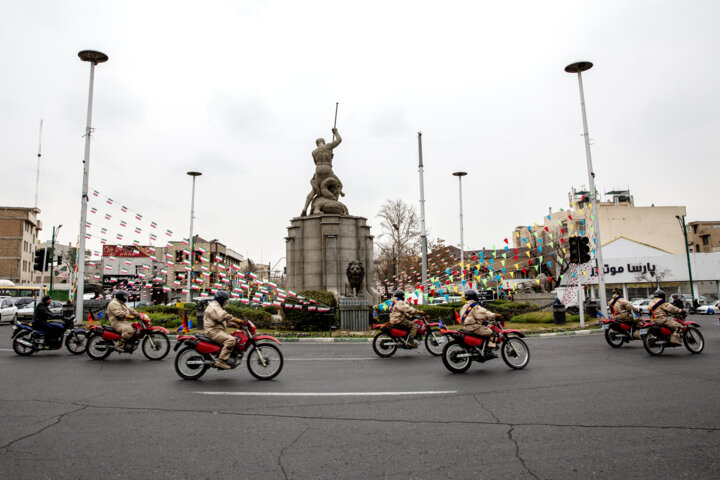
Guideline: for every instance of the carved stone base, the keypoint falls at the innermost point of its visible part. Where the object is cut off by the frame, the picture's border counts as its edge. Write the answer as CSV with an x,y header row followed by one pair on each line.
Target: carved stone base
x,y
319,249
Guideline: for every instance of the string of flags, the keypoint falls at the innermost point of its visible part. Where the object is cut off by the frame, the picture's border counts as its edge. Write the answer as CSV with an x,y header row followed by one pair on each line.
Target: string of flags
x,y
111,224
543,248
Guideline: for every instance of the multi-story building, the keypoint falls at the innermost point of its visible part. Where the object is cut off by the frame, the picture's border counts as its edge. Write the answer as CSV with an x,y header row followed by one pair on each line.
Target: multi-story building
x,y
63,263
19,228
704,237
631,236
619,218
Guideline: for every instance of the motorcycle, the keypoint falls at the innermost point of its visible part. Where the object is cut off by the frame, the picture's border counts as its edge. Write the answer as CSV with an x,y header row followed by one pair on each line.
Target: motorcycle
x,y
618,332
154,340
656,337
26,340
390,337
199,353
464,347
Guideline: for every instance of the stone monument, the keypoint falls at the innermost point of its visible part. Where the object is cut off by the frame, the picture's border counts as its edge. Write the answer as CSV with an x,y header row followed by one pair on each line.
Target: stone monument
x,y
326,247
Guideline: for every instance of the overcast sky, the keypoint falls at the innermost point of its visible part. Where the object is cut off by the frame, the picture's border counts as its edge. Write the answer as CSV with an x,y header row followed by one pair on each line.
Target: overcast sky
x,y
240,90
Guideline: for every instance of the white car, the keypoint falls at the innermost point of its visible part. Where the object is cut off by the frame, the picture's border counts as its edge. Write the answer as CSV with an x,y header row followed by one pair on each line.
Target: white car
x,y
643,305
28,311
8,311
709,309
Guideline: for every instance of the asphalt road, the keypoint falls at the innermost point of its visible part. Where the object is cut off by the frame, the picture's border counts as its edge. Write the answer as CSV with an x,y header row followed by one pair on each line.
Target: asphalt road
x,y
579,410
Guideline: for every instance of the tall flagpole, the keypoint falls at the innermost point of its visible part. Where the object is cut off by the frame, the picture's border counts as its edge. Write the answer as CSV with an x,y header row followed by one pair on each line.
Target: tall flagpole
x,y
37,173
423,232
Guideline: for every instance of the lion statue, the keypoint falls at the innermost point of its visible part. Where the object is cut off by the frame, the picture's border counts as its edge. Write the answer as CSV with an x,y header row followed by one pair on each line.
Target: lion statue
x,y
355,275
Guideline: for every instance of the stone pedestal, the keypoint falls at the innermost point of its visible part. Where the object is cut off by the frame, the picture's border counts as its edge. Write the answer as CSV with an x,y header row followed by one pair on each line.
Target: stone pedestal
x,y
354,313
319,249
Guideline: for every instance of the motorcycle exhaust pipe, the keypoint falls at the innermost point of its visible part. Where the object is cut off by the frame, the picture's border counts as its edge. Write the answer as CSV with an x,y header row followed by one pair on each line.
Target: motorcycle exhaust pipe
x,y
199,362
25,343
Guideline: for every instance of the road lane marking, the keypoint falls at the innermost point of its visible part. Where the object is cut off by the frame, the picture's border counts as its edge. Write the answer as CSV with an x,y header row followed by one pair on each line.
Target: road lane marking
x,y
330,359
5,350
328,394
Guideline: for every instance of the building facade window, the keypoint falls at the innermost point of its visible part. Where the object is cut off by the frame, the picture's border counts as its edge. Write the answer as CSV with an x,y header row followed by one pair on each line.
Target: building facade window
x,y
705,239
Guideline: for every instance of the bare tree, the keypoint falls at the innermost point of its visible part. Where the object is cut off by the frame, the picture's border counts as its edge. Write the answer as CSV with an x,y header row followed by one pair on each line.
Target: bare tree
x,y
399,242
653,277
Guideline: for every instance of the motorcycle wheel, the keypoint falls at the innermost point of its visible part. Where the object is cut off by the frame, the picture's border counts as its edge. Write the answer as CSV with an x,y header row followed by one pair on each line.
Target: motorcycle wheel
x,y
24,350
161,348
190,364
273,361
384,345
613,339
76,342
651,345
450,360
515,353
98,348
435,345
694,340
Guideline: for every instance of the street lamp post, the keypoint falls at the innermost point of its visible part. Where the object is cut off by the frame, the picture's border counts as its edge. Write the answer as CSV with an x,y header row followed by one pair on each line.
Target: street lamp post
x,y
191,239
94,58
52,256
578,68
681,219
462,240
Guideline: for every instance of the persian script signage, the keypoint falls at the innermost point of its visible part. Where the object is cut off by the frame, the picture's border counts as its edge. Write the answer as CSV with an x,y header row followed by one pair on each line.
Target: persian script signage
x,y
125,251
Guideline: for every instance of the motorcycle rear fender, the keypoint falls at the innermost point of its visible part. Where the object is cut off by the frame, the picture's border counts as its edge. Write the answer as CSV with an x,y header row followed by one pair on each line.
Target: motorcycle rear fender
x,y
189,339
267,337
20,328
157,328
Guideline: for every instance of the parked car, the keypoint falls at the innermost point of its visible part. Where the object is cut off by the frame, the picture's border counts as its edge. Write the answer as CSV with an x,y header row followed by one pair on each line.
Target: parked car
x,y
28,311
643,305
438,301
709,309
20,302
8,311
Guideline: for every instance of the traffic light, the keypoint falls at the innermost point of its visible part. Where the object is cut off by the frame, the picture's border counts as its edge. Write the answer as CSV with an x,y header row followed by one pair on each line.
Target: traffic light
x,y
40,259
584,250
574,249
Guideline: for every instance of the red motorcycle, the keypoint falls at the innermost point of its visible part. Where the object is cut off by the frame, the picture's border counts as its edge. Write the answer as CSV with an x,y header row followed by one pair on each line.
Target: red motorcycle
x,y
464,347
618,332
390,337
264,360
656,337
154,340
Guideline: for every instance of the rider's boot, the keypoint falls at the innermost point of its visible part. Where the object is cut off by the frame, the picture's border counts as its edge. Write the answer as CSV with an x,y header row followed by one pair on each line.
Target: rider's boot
x,y
674,338
120,345
491,342
636,334
221,364
411,342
